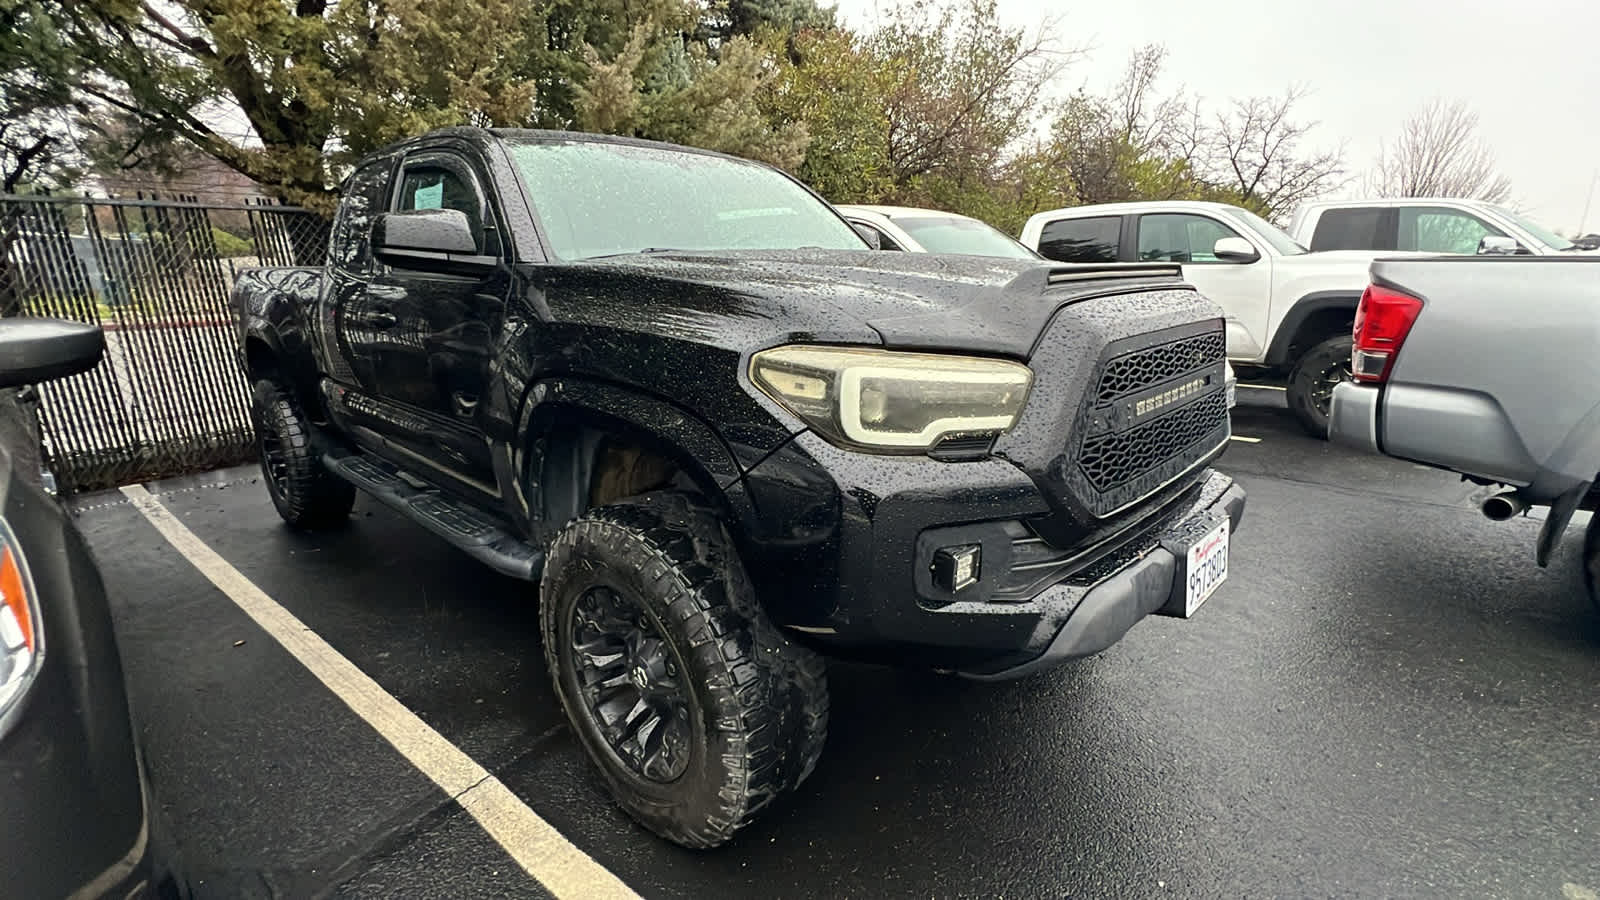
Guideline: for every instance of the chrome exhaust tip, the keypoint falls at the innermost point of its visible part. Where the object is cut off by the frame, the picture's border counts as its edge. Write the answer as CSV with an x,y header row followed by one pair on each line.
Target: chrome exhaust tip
x,y
1504,506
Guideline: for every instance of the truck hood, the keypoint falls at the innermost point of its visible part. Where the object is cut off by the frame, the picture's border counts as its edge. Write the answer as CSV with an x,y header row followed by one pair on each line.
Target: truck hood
x,y
917,301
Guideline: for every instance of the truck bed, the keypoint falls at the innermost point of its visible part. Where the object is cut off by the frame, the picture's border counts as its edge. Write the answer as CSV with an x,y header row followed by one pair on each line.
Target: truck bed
x,y
1499,378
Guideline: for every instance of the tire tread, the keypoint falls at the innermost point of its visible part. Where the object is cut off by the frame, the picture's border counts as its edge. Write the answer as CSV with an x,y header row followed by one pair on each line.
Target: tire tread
x,y
766,694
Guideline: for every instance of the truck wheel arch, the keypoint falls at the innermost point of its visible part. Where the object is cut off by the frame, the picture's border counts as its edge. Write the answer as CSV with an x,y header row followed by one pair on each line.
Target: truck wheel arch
x,y
261,354
1312,318
586,443
264,356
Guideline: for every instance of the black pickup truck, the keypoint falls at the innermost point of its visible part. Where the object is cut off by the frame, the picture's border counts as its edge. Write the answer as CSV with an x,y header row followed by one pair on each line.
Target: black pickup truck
x,y
724,436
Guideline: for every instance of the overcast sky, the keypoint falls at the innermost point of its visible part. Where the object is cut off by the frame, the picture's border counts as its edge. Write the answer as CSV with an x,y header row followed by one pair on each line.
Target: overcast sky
x,y
1531,70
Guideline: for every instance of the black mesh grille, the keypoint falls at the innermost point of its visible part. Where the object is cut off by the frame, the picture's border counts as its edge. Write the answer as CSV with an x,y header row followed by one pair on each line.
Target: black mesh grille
x,y
1109,460
1142,368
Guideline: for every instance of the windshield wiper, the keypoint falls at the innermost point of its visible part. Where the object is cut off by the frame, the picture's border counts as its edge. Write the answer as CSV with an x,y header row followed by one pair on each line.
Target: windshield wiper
x,y
638,252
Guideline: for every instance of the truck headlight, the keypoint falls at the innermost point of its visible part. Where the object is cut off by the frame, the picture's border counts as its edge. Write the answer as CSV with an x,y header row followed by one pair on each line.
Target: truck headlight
x,y
21,632
890,401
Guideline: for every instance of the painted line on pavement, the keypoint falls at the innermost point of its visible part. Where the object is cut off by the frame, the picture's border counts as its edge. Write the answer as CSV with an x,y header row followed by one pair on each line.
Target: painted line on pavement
x,y
1243,439
1263,387
533,843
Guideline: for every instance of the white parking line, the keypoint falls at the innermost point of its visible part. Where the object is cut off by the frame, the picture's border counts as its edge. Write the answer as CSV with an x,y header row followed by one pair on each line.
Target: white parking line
x,y
1263,387
537,847
1242,438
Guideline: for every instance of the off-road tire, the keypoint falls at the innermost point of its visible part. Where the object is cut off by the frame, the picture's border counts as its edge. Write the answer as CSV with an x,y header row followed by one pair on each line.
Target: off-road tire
x,y
1307,378
759,701
306,494
1591,560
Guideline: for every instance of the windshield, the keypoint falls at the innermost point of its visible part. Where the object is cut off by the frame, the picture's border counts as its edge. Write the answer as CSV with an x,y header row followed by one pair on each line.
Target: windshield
x,y
1542,234
949,234
1272,234
601,199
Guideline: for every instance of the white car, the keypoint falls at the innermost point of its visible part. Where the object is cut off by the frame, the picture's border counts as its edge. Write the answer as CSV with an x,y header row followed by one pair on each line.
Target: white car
x,y
1421,224
1289,311
899,227
932,231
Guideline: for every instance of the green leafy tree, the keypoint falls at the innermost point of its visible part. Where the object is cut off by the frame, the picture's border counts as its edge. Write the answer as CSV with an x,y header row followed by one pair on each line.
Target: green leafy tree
x,y
928,109
963,88
725,19
837,87
312,83
660,87
37,110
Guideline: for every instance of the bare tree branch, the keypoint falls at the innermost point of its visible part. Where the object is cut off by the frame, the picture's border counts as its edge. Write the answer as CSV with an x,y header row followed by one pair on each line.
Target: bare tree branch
x,y
1438,154
1258,147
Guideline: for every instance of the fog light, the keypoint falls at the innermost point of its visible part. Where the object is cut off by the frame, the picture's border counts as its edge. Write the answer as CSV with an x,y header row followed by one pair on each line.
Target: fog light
x,y
955,568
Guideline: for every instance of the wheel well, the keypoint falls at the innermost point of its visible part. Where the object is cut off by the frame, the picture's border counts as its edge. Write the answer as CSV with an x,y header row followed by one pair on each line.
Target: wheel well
x,y
1318,327
259,359
592,465
623,467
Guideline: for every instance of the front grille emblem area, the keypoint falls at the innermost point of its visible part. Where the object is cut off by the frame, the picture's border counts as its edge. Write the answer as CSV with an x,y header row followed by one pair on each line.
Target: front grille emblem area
x,y
1155,412
1111,459
1145,407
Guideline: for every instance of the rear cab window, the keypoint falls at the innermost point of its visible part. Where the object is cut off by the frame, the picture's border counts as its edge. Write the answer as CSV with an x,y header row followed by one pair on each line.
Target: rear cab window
x,y
1354,228
1094,239
948,234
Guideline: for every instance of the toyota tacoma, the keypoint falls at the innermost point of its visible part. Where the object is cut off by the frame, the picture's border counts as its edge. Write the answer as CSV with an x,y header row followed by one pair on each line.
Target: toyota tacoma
x,y
724,438
1426,391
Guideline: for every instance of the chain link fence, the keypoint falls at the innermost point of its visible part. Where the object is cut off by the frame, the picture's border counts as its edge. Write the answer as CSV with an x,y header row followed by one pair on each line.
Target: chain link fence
x,y
155,274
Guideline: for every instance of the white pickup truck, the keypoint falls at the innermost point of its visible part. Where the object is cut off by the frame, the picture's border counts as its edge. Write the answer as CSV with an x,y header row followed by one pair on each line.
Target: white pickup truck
x,y
1289,311
1424,225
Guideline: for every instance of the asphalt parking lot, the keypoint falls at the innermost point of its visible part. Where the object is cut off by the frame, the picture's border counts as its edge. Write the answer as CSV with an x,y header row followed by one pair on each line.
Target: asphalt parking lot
x,y
1387,699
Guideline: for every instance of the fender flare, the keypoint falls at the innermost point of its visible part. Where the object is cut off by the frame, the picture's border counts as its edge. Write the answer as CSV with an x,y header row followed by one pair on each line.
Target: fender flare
x,y
1303,310
295,365
551,405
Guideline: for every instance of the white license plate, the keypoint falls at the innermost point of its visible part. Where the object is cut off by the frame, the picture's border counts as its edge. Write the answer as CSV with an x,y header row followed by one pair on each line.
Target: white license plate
x,y
1205,567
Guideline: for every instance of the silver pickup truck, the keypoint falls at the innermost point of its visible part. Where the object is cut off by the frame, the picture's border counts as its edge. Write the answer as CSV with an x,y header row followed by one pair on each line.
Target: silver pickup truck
x,y
1488,366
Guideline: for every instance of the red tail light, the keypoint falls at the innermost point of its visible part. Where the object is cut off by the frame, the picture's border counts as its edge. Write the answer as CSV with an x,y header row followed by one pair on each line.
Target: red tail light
x,y
1383,320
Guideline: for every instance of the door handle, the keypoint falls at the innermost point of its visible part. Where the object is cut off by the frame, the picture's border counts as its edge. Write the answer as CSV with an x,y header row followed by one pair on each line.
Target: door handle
x,y
465,404
382,318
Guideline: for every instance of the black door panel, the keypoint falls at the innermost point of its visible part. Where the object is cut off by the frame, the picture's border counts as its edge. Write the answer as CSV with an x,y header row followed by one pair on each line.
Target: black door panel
x,y
425,335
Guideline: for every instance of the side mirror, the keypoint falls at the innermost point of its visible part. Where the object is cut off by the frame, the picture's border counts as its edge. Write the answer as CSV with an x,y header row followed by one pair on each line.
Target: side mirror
x,y
1497,245
870,235
1235,250
427,239
33,351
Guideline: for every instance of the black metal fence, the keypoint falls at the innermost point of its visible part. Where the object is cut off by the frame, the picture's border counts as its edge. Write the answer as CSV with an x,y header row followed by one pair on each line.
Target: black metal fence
x,y
155,274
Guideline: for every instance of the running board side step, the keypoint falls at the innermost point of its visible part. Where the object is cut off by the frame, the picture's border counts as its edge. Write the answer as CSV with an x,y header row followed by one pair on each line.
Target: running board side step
x,y
473,532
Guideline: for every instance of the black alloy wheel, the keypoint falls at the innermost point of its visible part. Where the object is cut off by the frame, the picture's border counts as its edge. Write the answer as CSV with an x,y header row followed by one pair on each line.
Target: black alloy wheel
x,y
1311,383
632,685
695,709
302,489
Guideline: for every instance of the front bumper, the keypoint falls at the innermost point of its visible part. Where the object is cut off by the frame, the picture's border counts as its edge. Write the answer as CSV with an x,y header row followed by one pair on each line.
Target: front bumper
x,y
843,546
1106,611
